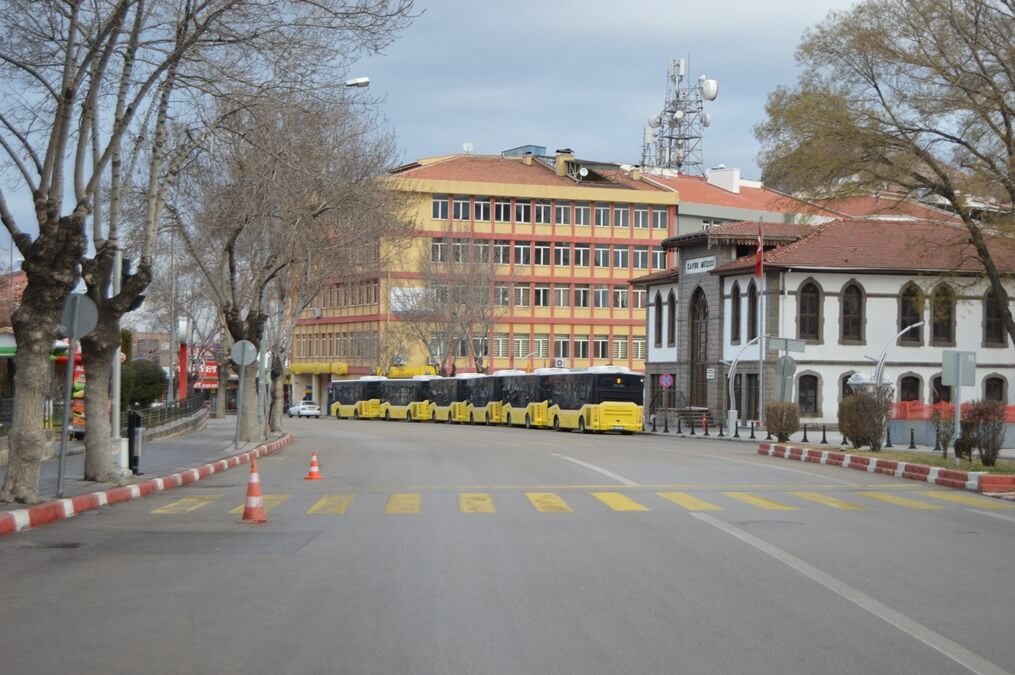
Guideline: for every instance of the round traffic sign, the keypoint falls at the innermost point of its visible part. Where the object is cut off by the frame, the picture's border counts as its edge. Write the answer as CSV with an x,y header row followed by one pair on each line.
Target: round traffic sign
x,y
243,353
666,380
79,316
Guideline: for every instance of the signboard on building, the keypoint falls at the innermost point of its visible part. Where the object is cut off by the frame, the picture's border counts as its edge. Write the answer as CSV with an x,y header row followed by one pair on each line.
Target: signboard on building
x,y
710,373
699,265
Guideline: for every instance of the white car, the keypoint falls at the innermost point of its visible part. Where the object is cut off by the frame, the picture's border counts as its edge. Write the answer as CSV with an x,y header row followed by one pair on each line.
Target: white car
x,y
305,409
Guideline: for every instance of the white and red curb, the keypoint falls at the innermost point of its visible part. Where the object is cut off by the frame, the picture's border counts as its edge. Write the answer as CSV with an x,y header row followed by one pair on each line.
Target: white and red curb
x,y
976,481
61,509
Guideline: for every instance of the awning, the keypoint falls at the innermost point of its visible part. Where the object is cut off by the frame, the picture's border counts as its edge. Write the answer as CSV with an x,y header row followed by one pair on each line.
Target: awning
x,y
319,368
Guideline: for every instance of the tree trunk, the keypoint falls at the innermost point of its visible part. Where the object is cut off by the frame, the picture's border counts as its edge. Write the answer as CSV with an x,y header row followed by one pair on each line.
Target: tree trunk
x,y
98,350
51,266
277,401
249,428
223,391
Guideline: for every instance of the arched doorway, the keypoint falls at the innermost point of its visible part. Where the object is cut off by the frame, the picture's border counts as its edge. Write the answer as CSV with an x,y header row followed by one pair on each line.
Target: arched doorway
x,y
699,349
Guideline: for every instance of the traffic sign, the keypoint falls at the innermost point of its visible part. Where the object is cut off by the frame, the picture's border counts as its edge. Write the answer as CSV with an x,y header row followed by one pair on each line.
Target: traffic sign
x,y
243,353
785,344
666,380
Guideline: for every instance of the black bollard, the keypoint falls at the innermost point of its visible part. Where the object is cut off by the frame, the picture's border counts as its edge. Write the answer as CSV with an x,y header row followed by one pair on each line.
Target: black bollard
x,y
720,425
692,427
912,438
805,435
653,424
736,428
888,436
824,438
666,424
768,434
937,442
680,428
704,423
752,437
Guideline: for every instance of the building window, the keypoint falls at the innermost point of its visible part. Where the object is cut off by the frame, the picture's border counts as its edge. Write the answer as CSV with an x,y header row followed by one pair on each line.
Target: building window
x,y
993,322
671,320
752,312
561,348
638,350
561,296
542,253
440,207
735,314
582,213
502,252
911,313
943,311
481,209
502,211
601,347
658,258
640,257
438,251
602,256
621,215
460,208
807,394
541,346
522,347
994,390
620,348
602,215
482,251
659,218
657,326
523,211
581,296
500,346
852,320
909,388
620,297
562,255
601,297
563,213
939,393
621,257
523,253
581,255
522,295
541,295
542,213
638,298
641,216
809,312
460,251
581,347
502,295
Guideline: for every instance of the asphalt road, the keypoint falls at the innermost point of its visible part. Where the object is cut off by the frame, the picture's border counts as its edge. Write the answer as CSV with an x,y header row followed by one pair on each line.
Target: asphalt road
x,y
441,549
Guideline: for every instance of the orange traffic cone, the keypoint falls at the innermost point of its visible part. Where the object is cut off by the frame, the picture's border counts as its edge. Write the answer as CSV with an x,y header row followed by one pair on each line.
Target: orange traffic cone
x,y
315,470
253,511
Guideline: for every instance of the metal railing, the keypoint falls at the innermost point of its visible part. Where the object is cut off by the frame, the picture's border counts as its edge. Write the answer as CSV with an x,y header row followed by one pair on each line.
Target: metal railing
x,y
153,417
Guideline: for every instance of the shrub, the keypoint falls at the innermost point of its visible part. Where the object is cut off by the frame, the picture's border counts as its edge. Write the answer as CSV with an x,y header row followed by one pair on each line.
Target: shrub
x,y
873,405
943,420
149,383
849,421
782,419
987,422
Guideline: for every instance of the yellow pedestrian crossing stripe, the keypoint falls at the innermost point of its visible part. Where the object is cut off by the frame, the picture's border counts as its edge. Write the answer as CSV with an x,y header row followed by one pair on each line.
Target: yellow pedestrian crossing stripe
x,y
618,501
270,502
759,502
834,502
187,504
475,502
331,504
689,502
968,500
547,502
404,502
898,501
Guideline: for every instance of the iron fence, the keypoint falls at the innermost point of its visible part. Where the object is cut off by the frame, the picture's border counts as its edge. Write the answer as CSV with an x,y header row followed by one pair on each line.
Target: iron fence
x,y
153,417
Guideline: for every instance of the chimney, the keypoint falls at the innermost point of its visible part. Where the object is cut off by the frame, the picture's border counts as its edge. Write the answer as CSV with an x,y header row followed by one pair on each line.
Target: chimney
x,y
636,173
564,155
724,179
527,159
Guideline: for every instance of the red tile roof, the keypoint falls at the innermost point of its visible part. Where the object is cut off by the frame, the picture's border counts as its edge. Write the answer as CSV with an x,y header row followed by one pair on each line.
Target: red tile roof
x,y
697,190
511,170
905,246
886,205
671,274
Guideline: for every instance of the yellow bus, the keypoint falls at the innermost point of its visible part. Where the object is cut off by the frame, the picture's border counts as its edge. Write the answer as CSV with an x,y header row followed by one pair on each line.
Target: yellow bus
x,y
599,399
522,402
357,399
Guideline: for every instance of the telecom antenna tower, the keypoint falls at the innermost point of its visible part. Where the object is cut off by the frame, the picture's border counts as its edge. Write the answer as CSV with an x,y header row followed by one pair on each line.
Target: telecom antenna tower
x,y
673,137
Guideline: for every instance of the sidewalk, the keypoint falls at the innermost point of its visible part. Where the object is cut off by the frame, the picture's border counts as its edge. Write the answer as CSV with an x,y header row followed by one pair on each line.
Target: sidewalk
x,y
159,458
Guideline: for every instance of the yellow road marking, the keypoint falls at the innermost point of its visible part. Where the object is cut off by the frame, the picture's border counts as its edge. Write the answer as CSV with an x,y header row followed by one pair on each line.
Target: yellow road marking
x,y
759,502
618,501
187,504
270,502
331,504
898,501
969,500
547,502
689,502
828,501
475,502
404,502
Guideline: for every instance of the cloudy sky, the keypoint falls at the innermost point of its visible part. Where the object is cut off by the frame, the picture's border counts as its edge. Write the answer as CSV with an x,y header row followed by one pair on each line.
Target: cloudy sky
x,y
583,74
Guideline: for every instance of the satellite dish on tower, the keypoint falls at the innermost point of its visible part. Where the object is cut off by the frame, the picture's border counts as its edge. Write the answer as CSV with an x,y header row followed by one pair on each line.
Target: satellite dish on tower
x,y
709,89
706,119
583,172
655,122
467,147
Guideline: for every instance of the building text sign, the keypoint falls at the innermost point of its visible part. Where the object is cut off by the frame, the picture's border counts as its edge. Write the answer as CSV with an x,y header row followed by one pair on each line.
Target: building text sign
x,y
699,265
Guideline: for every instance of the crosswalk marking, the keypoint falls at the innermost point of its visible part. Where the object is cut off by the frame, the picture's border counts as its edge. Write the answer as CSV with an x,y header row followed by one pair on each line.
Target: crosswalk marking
x,y
689,502
834,502
331,504
898,501
404,502
187,504
475,502
969,500
759,502
270,502
618,501
547,502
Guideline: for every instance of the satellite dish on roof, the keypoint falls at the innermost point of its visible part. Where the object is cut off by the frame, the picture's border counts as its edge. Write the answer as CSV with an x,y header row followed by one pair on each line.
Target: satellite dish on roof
x,y
467,147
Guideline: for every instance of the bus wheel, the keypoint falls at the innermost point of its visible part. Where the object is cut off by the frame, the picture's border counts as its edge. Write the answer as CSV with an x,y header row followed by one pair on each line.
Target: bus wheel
x,y
556,424
581,425
528,422
488,422
507,420
434,417
408,417
355,414
387,415
472,419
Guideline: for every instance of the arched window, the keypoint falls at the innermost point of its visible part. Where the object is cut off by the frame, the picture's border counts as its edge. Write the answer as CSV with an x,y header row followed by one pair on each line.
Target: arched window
x,y
752,312
909,388
845,390
809,312
943,317
939,393
852,321
911,313
658,327
994,389
671,319
735,314
807,394
993,324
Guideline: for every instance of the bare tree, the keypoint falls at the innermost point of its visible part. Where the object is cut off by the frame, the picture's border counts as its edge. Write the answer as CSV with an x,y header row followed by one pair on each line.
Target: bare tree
x,y
909,94
93,79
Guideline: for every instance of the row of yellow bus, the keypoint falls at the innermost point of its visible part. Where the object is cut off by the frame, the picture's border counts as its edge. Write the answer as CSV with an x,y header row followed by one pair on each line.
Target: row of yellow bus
x,y
599,399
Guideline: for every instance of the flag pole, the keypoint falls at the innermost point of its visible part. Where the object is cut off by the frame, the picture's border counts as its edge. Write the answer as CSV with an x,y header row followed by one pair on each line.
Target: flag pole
x,y
759,270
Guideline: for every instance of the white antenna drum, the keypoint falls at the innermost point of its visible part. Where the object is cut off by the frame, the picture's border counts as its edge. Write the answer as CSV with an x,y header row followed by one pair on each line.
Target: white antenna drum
x,y
467,147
